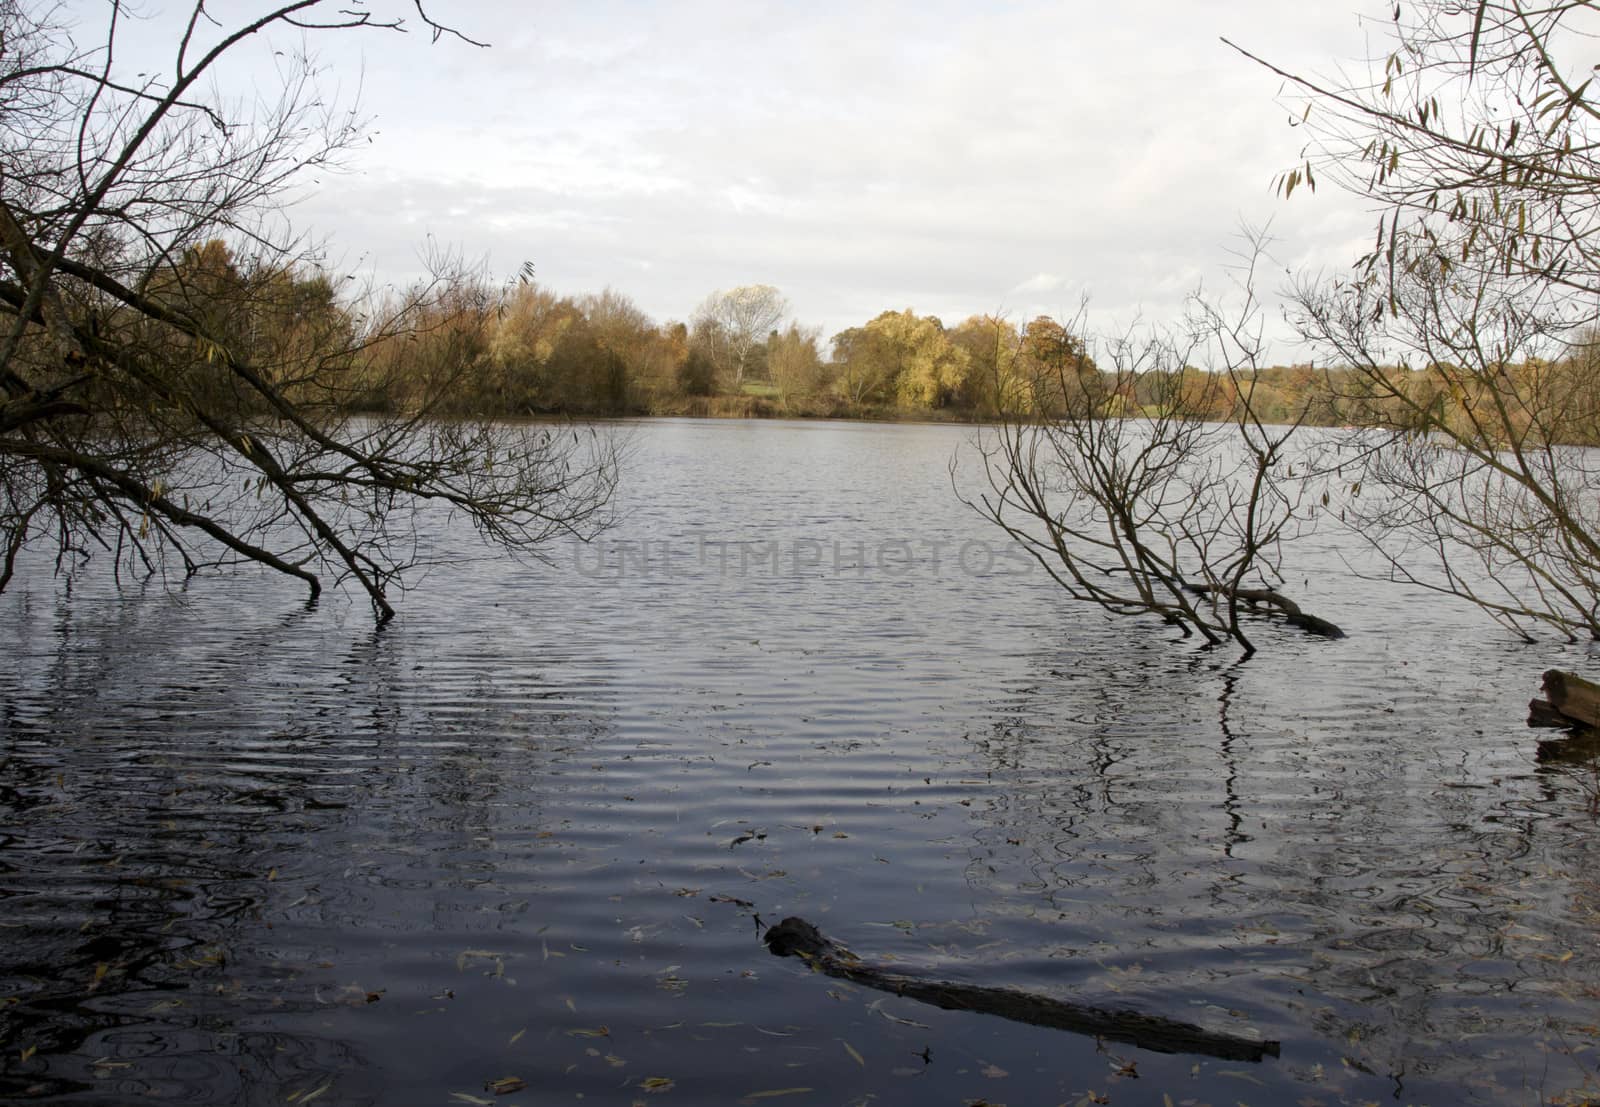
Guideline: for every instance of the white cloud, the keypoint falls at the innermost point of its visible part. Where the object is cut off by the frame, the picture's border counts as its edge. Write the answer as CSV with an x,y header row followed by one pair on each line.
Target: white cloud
x,y
860,157
1040,282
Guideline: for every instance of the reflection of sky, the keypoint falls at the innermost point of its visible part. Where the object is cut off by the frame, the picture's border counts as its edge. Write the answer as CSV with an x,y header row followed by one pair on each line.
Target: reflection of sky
x,y
957,160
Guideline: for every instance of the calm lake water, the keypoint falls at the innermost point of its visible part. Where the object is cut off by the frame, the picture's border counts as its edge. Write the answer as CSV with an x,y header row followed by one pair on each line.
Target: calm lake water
x,y
533,829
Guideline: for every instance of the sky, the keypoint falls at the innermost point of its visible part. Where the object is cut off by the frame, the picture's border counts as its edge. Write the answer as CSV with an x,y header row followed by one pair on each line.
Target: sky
x,y
1013,157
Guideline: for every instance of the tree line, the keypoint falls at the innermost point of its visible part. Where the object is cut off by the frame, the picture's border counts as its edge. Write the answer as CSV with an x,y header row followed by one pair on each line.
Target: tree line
x,y
521,349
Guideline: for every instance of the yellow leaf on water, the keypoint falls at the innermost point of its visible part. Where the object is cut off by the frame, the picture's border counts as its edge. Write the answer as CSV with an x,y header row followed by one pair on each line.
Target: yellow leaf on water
x,y
316,1093
657,1084
467,956
776,1092
517,1035
29,1052
851,1050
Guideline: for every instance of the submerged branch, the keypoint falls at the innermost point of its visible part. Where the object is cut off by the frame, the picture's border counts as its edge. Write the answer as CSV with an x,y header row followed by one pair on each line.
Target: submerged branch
x,y
1277,601
1153,1032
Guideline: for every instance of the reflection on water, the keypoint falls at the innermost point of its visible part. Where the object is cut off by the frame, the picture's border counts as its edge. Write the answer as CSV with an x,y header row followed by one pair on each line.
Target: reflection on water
x,y
253,853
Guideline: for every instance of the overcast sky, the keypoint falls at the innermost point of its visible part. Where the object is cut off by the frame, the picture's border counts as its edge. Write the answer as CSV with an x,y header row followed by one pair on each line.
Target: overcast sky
x,y
952,158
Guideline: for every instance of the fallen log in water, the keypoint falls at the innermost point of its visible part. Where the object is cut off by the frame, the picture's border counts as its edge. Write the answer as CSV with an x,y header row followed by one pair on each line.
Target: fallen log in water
x,y
797,937
1569,701
1275,601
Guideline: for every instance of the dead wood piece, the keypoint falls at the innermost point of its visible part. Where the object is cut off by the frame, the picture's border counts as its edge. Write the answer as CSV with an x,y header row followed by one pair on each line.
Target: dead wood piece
x,y
1280,604
797,937
1541,712
1572,696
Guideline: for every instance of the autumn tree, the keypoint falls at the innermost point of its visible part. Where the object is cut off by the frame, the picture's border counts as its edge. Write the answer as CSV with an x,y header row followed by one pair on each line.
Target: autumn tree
x,y
899,355
1476,134
172,401
729,326
794,363
992,382
645,355
858,377
1062,374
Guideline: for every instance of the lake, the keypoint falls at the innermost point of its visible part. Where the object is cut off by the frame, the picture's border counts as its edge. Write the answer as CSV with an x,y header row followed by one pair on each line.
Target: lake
x,y
532,831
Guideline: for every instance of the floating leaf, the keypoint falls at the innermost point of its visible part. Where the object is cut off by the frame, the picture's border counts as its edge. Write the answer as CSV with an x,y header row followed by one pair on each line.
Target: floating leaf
x,y
517,1035
657,1084
776,1092
876,1005
467,956
851,1050
465,1098
506,1085
597,1032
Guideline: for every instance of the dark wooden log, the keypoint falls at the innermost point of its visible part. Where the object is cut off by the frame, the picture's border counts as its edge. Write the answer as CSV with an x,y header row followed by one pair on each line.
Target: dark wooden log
x,y
1278,603
1544,713
796,937
1573,697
